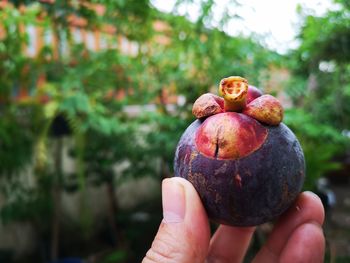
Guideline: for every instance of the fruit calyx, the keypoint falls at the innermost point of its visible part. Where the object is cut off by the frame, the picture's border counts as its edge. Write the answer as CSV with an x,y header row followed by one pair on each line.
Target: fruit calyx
x,y
234,90
266,109
206,105
238,96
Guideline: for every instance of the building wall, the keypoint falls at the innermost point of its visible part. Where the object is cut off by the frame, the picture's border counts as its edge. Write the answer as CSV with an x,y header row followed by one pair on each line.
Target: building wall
x,y
21,237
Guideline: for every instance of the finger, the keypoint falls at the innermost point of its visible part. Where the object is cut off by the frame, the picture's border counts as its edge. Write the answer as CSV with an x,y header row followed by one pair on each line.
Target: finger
x,y
184,233
307,208
306,245
229,244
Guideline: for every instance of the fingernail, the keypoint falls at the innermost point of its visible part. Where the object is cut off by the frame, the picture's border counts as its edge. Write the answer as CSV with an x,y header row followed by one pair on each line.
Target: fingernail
x,y
312,194
173,198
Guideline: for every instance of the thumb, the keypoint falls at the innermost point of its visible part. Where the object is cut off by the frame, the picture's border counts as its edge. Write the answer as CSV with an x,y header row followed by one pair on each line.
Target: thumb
x,y
183,235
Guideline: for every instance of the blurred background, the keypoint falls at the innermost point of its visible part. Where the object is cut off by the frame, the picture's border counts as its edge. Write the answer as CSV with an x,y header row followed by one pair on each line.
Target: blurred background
x,y
94,96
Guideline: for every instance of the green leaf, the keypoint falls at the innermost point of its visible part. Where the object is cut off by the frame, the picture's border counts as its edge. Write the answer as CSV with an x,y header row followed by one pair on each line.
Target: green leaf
x,y
50,109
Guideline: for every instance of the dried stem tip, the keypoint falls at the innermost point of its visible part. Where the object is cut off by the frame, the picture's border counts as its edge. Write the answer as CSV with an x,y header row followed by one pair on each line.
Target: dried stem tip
x,y
234,90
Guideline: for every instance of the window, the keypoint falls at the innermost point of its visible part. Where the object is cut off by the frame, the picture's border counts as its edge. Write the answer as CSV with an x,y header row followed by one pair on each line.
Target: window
x,y
48,37
90,41
77,35
134,48
32,40
124,45
103,41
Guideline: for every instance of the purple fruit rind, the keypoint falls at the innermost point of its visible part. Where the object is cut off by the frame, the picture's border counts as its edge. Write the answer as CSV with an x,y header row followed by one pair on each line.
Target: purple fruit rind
x,y
248,191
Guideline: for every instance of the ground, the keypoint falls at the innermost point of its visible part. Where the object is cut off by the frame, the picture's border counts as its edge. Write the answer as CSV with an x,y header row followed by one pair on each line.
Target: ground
x,y
337,226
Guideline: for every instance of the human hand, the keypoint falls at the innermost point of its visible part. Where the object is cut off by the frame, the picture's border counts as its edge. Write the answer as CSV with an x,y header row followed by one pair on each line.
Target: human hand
x,y
184,234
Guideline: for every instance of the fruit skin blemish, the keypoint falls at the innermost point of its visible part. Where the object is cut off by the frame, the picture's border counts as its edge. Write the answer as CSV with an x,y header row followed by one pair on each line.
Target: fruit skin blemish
x,y
246,165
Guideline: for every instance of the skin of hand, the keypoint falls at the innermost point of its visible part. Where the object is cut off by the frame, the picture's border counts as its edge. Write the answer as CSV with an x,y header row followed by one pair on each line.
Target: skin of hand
x,y
184,235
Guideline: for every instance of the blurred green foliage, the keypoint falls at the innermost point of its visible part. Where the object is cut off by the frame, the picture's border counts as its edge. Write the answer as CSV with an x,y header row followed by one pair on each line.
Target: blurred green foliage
x,y
320,143
320,89
184,58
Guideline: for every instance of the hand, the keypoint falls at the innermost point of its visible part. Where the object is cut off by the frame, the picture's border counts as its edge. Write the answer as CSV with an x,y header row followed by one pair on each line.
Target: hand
x,y
184,234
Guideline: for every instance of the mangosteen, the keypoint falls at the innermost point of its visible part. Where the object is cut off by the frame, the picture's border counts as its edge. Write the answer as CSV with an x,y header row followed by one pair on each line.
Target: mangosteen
x,y
246,165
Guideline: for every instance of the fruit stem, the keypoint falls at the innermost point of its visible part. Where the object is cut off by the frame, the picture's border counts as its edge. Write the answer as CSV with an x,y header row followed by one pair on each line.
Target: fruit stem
x,y
234,90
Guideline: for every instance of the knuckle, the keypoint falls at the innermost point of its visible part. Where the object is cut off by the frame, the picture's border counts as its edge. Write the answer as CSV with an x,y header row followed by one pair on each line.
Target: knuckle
x,y
165,249
169,248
